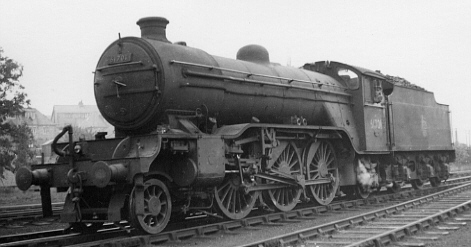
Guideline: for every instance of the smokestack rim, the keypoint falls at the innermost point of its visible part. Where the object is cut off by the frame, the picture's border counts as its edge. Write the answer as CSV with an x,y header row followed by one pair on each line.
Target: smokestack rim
x,y
152,20
153,28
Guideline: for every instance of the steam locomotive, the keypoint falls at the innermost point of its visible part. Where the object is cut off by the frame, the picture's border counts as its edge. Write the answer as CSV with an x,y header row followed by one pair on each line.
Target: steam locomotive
x,y
198,133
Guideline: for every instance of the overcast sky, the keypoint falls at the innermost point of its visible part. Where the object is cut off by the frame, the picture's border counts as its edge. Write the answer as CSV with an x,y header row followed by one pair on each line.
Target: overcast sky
x,y
426,42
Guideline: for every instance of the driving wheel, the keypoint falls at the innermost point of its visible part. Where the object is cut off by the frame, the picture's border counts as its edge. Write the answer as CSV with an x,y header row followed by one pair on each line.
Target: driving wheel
x,y
231,199
321,163
289,163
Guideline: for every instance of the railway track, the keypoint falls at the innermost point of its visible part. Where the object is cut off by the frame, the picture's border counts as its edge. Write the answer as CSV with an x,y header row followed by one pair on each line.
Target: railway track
x,y
19,215
189,230
406,224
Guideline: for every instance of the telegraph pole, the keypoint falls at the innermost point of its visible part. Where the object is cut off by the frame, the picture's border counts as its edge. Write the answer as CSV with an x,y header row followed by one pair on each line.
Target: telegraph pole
x,y
456,136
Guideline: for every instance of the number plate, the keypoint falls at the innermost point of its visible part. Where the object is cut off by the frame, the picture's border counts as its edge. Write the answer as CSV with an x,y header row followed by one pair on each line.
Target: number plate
x,y
120,58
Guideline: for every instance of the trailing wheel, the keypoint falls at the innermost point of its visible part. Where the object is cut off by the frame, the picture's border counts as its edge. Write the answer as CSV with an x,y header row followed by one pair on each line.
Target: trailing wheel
x,y
321,163
157,207
289,163
361,192
231,199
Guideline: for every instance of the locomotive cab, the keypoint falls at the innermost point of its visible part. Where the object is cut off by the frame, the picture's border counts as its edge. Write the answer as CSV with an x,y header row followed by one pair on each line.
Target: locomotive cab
x,y
404,135
369,90
374,112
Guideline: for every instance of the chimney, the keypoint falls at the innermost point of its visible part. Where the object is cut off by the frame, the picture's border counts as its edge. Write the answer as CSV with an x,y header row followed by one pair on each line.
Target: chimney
x,y
153,28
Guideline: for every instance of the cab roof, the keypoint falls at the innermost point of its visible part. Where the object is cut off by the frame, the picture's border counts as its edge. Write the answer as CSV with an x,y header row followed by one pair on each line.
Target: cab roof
x,y
362,70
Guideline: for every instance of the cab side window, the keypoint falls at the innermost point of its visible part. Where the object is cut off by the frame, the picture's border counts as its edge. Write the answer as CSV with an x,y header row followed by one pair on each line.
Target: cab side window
x,y
349,78
378,96
373,91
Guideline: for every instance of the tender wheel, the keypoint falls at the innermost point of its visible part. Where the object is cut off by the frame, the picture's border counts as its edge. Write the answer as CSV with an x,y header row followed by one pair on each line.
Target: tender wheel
x,y
157,208
417,184
435,181
321,162
285,199
442,172
396,187
231,199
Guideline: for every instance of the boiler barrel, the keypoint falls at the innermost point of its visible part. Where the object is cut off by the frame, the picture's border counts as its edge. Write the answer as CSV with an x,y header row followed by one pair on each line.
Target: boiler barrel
x,y
138,80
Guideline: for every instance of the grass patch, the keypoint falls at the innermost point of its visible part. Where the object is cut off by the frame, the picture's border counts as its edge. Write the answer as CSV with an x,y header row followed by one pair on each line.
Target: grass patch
x,y
13,196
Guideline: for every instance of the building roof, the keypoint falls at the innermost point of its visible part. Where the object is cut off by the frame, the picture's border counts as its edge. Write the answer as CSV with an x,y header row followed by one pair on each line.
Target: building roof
x,y
38,119
32,117
74,109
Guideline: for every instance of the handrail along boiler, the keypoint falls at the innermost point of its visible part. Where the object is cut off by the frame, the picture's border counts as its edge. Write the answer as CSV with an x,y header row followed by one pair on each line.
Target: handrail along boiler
x,y
202,134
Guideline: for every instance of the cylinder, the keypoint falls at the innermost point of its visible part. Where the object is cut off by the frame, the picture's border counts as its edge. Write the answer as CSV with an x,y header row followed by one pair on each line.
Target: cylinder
x,y
184,171
102,173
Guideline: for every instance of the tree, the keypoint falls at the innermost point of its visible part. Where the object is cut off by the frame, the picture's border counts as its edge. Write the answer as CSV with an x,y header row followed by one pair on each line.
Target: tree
x,y
14,137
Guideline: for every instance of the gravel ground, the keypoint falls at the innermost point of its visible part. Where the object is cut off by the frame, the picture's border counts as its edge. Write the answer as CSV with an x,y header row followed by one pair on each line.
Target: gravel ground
x,y
243,236
455,238
459,238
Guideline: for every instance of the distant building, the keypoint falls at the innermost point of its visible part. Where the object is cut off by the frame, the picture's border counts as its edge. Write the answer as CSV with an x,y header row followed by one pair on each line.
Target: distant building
x,y
87,117
42,128
72,114
96,123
